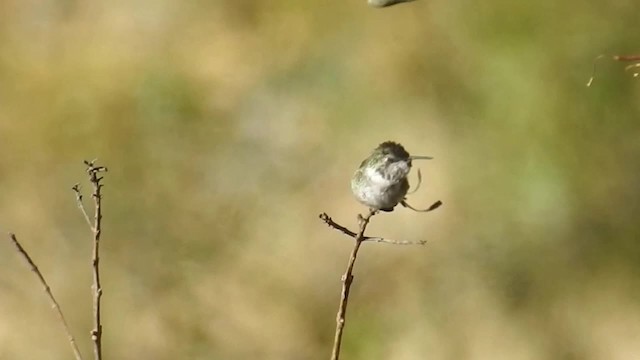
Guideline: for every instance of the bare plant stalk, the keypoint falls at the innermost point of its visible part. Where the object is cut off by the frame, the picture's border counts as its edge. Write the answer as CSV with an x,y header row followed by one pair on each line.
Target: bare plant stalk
x,y
347,279
47,290
96,229
329,221
623,58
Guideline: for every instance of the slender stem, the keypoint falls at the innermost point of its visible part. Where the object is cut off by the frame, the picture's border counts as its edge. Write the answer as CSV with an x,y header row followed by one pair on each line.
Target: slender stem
x,y
616,58
626,57
52,299
96,332
76,189
347,279
329,221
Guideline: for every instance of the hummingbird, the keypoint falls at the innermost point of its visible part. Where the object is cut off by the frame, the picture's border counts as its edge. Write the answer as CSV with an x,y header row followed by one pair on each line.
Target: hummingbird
x,y
381,180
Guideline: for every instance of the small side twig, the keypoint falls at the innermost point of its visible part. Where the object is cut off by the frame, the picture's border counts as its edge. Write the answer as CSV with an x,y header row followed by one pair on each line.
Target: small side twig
x,y
395,242
76,190
47,290
96,229
329,221
623,58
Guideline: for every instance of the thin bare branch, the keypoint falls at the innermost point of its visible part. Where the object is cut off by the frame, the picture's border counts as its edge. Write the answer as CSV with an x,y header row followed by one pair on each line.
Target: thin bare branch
x,y
626,57
347,279
76,190
331,223
623,58
47,290
96,229
394,242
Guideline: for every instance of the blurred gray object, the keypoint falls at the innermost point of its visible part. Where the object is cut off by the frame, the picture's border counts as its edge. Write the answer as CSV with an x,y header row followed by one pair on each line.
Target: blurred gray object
x,y
385,3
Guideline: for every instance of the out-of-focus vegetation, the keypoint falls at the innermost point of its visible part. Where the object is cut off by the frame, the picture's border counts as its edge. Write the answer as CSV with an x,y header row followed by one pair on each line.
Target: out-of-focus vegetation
x,y
228,126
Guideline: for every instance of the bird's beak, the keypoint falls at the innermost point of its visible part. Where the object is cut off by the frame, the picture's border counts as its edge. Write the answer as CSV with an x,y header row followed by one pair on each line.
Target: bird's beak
x,y
420,158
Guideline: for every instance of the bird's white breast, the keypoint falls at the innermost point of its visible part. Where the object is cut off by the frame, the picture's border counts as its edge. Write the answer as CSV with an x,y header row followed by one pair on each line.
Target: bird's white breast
x,y
376,178
376,193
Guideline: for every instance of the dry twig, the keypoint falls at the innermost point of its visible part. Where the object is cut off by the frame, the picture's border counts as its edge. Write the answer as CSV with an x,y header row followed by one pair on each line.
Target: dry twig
x,y
76,189
624,58
96,229
347,278
47,290
329,221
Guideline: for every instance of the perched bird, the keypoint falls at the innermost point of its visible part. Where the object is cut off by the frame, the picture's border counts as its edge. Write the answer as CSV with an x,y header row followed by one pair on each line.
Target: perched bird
x,y
385,3
381,180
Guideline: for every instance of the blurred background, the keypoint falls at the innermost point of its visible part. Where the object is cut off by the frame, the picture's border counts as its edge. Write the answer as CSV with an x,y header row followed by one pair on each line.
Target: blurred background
x,y
228,126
